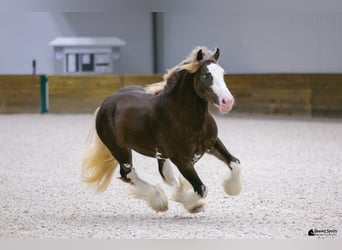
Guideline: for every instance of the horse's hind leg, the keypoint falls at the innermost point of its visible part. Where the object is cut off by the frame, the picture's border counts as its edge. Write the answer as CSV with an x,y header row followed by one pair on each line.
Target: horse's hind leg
x,y
232,185
140,189
153,195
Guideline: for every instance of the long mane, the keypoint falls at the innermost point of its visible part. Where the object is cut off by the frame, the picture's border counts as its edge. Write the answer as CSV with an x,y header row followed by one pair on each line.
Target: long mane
x,y
190,64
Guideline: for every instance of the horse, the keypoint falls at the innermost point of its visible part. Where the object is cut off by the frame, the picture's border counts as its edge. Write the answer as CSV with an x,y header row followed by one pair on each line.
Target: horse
x,y
169,121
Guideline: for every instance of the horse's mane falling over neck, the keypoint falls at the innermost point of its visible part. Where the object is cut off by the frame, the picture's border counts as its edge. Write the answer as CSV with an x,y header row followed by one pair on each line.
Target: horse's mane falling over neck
x,y
190,64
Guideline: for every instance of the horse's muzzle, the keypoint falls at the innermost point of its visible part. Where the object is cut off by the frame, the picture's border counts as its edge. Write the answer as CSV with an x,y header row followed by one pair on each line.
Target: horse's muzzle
x,y
226,104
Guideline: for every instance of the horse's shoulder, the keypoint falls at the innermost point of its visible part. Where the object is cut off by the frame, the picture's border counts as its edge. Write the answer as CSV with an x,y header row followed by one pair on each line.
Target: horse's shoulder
x,y
211,126
211,120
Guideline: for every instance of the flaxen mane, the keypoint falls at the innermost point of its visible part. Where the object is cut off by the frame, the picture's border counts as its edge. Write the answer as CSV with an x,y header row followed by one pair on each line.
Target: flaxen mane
x,y
190,64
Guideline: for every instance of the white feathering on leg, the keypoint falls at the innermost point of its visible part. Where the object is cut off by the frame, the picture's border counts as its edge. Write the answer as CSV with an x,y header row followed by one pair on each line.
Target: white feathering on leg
x,y
185,194
169,178
153,195
232,185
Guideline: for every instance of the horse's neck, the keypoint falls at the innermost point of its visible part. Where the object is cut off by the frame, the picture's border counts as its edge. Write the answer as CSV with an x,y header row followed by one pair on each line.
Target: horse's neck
x,y
183,101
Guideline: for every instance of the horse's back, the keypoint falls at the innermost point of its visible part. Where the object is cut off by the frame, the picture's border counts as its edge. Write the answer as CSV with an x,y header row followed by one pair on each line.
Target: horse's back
x,y
134,89
128,97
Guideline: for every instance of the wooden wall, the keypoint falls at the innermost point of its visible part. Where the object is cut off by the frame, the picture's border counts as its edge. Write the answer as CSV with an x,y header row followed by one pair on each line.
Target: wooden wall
x,y
141,80
271,94
326,94
20,94
80,94
287,94
274,94
84,93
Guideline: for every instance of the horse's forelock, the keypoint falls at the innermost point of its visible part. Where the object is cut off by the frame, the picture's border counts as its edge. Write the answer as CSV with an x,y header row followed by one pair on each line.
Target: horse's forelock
x,y
190,63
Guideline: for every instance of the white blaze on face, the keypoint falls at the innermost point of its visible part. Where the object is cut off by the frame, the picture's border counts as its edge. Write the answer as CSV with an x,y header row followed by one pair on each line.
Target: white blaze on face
x,y
219,87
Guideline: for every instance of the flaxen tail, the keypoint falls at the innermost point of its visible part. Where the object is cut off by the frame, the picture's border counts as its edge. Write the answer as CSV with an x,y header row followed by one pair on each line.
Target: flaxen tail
x,y
98,163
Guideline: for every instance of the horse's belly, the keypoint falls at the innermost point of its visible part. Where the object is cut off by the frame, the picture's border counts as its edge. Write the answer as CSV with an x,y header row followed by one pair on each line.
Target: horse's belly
x,y
139,138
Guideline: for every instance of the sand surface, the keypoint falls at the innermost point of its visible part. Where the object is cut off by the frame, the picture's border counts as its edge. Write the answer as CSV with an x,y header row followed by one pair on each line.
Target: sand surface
x,y
292,182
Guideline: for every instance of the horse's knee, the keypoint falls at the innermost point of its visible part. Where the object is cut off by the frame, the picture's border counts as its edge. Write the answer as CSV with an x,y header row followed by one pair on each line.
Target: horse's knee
x,y
235,167
234,161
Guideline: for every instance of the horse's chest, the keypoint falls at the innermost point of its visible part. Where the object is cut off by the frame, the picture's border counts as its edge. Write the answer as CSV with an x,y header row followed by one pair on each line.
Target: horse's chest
x,y
198,143
185,140
201,142
195,146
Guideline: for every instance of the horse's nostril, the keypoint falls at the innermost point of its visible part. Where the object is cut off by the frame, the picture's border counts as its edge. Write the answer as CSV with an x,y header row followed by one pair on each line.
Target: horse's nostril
x,y
226,101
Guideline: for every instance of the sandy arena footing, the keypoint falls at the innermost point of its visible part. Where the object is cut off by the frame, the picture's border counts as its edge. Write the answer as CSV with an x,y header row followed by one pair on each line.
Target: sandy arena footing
x,y
292,183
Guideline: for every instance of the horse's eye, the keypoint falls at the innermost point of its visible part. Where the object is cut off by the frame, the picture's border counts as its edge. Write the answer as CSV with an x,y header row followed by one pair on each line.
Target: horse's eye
x,y
204,76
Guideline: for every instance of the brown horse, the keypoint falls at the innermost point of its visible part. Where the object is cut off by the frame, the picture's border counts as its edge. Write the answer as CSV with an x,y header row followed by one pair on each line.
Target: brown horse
x,y
168,121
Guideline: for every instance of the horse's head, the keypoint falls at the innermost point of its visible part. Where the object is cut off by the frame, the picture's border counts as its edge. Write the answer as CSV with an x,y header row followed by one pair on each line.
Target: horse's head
x,y
209,82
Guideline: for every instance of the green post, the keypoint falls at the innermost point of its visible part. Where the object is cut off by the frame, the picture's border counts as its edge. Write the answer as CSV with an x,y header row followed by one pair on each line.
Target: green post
x,y
43,94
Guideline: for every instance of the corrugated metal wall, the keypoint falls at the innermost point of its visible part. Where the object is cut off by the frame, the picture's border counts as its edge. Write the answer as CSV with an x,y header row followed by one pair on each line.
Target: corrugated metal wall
x,y
259,42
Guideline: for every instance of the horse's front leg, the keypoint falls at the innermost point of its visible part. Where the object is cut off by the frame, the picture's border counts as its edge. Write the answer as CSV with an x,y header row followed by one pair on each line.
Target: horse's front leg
x,y
232,185
190,191
221,152
166,172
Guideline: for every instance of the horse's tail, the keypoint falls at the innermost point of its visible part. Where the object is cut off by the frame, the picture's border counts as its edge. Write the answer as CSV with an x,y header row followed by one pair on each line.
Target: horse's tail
x,y
98,163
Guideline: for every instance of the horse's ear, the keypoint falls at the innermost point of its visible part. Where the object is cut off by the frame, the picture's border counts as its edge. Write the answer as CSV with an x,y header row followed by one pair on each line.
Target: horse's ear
x,y
199,56
217,54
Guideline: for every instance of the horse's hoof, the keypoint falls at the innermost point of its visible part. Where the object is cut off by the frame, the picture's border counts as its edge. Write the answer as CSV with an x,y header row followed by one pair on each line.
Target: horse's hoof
x,y
125,179
232,188
158,201
232,185
197,209
161,208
